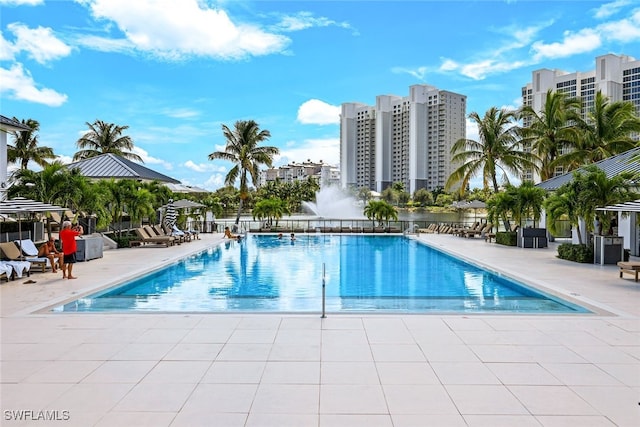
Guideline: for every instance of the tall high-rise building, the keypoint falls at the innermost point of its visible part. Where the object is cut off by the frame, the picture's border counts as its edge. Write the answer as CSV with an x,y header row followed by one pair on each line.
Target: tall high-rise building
x,y
616,76
401,139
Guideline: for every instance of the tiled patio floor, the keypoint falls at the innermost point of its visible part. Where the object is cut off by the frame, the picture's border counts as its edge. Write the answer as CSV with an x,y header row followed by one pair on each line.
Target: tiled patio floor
x,y
344,370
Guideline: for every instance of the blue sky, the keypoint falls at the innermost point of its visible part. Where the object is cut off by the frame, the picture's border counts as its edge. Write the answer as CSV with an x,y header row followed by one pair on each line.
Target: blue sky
x,y
174,71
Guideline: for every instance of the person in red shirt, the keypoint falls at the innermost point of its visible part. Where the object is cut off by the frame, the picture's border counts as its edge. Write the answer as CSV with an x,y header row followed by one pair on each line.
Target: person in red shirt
x,y
68,238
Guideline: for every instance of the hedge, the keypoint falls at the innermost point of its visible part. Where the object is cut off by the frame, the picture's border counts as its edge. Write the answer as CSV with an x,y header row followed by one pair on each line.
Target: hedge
x,y
507,238
577,253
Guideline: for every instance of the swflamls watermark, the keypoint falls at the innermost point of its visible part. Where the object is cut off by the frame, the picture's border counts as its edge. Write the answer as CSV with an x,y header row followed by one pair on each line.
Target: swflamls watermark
x,y
31,415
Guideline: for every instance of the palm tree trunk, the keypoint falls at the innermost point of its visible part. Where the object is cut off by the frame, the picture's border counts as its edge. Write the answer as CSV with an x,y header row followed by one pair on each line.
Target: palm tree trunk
x,y
239,211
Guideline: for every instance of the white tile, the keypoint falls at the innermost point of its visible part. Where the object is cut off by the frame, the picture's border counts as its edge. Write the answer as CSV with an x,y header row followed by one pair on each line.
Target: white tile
x,y
580,374
143,351
574,421
291,373
612,402
485,399
234,372
349,373
348,420
91,397
501,421
295,352
346,353
421,420
397,353
218,398
352,399
286,399
153,397
406,373
464,373
418,399
281,420
240,352
252,336
63,371
116,371
448,353
551,400
169,371
138,419
522,374
194,351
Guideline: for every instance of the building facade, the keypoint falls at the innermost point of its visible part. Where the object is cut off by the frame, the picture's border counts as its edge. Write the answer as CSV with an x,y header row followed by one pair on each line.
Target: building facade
x,y
401,139
325,174
616,76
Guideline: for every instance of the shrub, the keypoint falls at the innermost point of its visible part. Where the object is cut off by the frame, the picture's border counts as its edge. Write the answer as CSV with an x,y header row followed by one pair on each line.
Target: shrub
x,y
123,242
507,238
577,253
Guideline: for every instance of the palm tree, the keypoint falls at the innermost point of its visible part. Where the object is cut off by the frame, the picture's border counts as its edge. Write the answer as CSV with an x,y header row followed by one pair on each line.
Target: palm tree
x,y
25,147
272,208
551,129
105,138
606,132
243,150
380,210
498,150
528,202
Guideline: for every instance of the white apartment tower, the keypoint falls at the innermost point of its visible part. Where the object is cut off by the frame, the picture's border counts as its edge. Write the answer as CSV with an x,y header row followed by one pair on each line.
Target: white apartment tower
x,y
401,139
616,76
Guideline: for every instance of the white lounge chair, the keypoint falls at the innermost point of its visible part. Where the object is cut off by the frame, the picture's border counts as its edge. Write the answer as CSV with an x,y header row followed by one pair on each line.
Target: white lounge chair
x,y
14,258
31,254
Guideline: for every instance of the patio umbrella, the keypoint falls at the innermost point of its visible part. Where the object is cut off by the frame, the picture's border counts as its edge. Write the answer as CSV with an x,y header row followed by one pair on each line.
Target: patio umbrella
x,y
170,215
21,207
475,205
185,203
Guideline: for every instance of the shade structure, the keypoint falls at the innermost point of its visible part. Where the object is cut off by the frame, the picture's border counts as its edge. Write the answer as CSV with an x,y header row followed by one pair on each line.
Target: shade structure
x,y
21,208
171,214
633,206
473,204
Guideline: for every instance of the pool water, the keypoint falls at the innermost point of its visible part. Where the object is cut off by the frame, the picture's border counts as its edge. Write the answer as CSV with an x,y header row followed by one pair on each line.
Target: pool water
x,y
358,273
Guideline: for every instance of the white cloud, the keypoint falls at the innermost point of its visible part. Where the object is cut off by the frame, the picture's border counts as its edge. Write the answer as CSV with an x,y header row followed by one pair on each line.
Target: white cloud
x,y
317,112
203,167
573,43
304,20
64,159
608,9
151,160
182,113
7,49
327,150
214,182
419,73
21,2
40,43
626,30
176,29
17,83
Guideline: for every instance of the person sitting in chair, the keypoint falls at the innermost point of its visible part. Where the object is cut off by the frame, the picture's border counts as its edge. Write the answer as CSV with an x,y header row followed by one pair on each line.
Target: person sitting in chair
x,y
228,234
48,249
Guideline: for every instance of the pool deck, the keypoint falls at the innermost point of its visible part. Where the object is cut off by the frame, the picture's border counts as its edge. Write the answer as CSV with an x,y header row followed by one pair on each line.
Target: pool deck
x,y
195,369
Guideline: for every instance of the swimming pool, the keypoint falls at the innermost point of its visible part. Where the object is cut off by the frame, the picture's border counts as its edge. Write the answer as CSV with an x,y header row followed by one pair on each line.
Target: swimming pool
x,y
361,274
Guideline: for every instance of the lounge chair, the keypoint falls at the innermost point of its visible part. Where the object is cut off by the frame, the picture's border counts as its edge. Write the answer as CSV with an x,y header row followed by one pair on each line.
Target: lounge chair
x,y
159,230
31,254
144,238
6,270
462,230
15,259
629,267
478,232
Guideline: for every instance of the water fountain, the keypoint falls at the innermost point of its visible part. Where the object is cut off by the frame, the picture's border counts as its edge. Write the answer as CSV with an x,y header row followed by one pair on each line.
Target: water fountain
x,y
332,203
